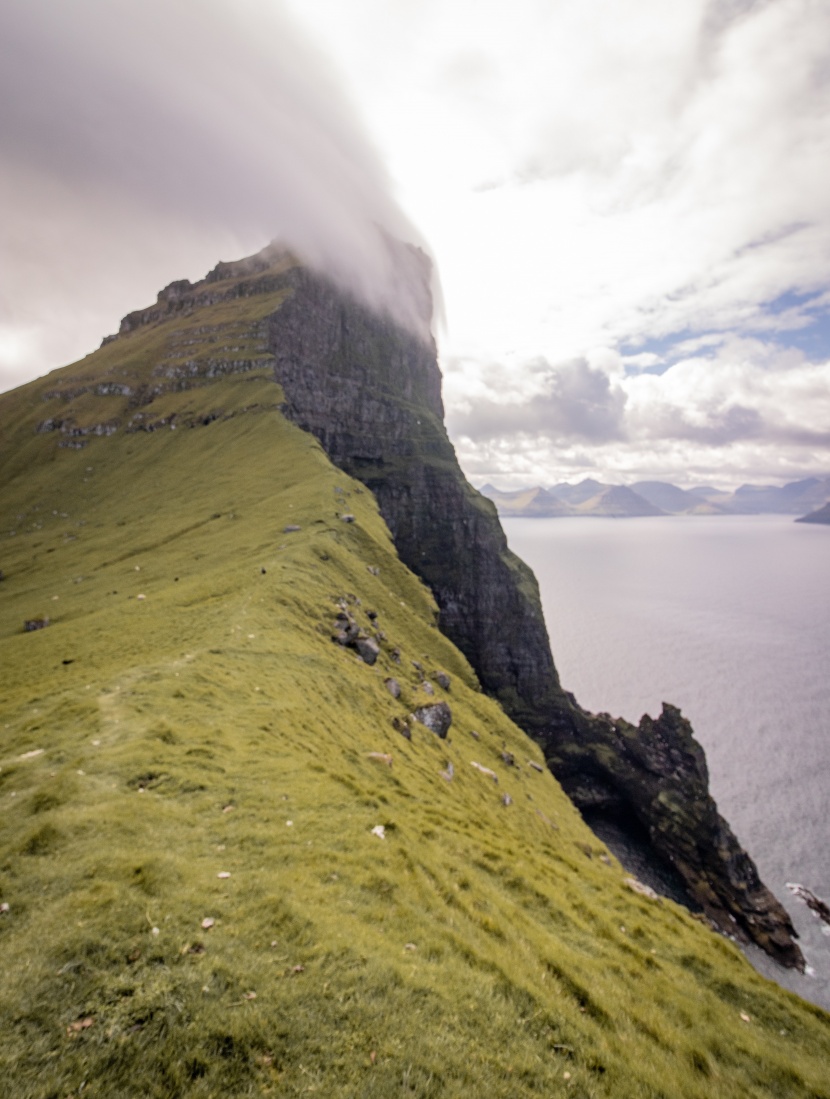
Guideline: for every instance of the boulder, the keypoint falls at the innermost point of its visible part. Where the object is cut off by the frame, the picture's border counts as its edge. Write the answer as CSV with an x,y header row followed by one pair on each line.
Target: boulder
x,y
437,716
367,649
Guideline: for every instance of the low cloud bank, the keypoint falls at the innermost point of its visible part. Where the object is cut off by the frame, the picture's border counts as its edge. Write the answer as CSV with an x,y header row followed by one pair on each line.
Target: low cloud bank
x,y
749,409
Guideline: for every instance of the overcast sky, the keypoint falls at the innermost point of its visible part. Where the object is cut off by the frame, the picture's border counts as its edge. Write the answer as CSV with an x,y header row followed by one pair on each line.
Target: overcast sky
x,y
628,202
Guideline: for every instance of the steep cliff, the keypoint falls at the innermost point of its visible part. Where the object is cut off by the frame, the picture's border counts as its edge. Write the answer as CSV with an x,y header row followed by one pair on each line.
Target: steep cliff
x,y
370,391
372,394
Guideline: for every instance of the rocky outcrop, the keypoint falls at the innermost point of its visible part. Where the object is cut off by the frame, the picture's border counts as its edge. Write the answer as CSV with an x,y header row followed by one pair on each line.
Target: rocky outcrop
x,y
655,773
371,393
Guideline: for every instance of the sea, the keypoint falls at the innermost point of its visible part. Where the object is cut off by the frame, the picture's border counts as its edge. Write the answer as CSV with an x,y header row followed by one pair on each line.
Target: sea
x,y
727,617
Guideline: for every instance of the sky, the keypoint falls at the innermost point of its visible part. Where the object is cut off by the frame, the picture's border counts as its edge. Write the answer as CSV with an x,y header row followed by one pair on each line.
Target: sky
x,y
626,201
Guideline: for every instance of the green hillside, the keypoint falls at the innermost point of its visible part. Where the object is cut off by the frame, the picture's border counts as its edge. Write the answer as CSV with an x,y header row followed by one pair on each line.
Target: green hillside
x,y
185,743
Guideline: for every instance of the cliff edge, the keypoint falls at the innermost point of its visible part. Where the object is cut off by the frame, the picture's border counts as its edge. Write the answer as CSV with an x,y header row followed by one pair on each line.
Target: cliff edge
x,y
370,392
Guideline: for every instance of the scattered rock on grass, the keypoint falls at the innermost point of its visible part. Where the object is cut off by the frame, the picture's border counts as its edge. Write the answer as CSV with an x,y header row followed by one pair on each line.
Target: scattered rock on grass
x,y
448,773
207,923
506,799
79,1025
381,757
393,687
379,831
401,727
4,909
437,716
367,649
292,528
485,771
443,680
31,624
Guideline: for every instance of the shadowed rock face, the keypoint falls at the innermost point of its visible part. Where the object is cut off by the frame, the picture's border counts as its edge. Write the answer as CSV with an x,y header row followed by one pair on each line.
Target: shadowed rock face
x,y
371,393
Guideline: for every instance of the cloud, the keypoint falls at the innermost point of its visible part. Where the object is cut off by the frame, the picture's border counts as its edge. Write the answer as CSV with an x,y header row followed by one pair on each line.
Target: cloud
x,y
577,402
739,405
142,140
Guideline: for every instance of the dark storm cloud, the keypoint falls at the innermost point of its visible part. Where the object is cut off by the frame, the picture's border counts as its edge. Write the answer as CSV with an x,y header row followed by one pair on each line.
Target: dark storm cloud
x,y
579,403
177,127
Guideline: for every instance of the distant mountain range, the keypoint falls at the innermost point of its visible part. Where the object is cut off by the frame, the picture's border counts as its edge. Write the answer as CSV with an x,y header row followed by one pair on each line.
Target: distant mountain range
x,y
808,498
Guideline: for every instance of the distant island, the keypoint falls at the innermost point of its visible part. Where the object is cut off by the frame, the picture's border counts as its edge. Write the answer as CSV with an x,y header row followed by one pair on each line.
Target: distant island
x,y
822,515
808,498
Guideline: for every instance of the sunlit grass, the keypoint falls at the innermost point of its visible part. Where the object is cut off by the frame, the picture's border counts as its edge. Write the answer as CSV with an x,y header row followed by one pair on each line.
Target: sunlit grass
x,y
213,727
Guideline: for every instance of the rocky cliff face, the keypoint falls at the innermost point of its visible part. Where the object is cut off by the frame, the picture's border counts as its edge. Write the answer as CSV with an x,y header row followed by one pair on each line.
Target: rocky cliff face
x,y
371,393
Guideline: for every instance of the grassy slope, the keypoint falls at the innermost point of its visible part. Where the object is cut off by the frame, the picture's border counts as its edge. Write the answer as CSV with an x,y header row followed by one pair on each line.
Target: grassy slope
x,y
479,949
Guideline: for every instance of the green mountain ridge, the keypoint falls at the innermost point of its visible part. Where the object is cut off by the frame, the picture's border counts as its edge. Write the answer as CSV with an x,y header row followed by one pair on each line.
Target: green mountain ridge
x,y
194,775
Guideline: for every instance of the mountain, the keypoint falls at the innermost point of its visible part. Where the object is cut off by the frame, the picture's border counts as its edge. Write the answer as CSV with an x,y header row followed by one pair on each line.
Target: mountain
x,y
577,494
617,502
673,500
588,498
591,497
240,850
791,499
821,515
532,502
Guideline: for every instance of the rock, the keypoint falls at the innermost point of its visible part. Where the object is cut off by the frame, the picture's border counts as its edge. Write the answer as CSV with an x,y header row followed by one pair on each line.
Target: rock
x,y
437,716
372,615
347,518
506,799
291,528
536,766
367,649
395,656
4,909
448,773
381,757
816,905
393,687
655,773
427,687
379,831
639,887
401,727
508,758
443,680
35,624
485,771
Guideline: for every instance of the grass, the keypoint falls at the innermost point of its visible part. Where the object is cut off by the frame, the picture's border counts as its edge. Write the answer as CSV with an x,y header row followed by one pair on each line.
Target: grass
x,y
213,727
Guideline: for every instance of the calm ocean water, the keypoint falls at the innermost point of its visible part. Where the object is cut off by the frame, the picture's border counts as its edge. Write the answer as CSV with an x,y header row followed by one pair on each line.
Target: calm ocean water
x,y
729,619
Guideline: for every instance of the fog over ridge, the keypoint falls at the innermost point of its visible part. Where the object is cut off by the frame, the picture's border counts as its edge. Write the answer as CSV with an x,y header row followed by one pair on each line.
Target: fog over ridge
x,y
143,141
